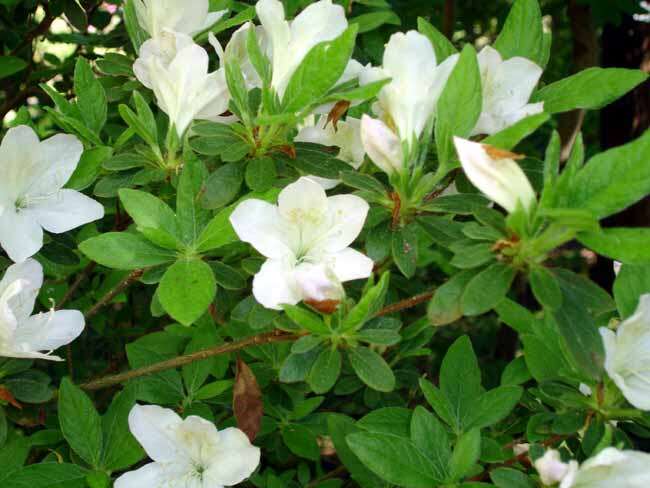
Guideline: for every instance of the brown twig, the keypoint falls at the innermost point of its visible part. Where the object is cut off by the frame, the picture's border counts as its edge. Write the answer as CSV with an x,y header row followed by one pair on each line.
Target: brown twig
x,y
116,290
406,303
257,340
76,284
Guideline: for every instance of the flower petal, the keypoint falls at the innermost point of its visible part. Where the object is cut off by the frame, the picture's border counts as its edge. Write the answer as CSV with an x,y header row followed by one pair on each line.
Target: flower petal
x,y
49,331
19,152
349,264
381,144
258,223
154,427
57,159
236,461
346,216
303,205
66,210
20,235
150,475
31,273
274,285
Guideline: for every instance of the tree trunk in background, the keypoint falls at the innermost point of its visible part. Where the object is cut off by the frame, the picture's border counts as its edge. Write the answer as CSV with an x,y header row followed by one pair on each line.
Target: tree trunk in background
x,y
585,55
625,46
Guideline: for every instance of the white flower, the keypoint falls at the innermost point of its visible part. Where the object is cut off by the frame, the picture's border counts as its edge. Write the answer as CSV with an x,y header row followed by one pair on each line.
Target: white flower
x,y
23,335
31,194
305,238
176,69
611,468
346,136
184,16
289,42
627,355
188,453
496,174
507,87
552,470
382,145
408,102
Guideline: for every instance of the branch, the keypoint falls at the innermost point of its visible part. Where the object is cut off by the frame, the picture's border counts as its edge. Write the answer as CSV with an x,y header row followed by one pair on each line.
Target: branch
x,y
257,340
75,286
116,290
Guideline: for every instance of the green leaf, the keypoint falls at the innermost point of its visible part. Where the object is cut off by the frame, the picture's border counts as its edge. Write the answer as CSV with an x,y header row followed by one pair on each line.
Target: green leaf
x,y
187,289
260,173
371,368
124,250
545,287
430,437
405,250
462,90
522,33
10,65
217,233
306,319
627,245
372,20
192,218
394,459
577,91
441,45
89,168
438,402
227,277
461,204
301,441
319,71
493,406
121,449
460,380
466,454
631,282
222,186
325,371
137,35
312,159
258,59
91,97
473,255
508,138
46,475
368,306
195,374
363,182
237,89
511,478
80,423
578,329
149,212
487,289
445,306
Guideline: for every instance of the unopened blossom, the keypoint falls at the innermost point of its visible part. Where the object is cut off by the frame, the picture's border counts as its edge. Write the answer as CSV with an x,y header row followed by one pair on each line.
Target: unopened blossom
x,y
290,41
306,240
610,468
23,335
187,453
176,69
346,136
408,102
552,469
32,198
627,355
507,87
496,174
185,16
382,145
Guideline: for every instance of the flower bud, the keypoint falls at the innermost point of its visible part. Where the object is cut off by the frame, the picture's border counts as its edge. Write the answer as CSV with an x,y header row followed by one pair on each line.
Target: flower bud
x,y
382,145
496,174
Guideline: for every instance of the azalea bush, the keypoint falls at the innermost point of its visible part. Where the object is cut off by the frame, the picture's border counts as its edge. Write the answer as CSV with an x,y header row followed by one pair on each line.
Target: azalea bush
x,y
240,248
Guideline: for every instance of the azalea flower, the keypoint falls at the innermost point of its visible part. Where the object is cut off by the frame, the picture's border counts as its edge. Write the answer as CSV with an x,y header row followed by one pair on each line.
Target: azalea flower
x,y
346,136
627,355
176,69
496,174
507,87
289,42
31,194
23,335
408,102
185,16
305,239
610,468
187,453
